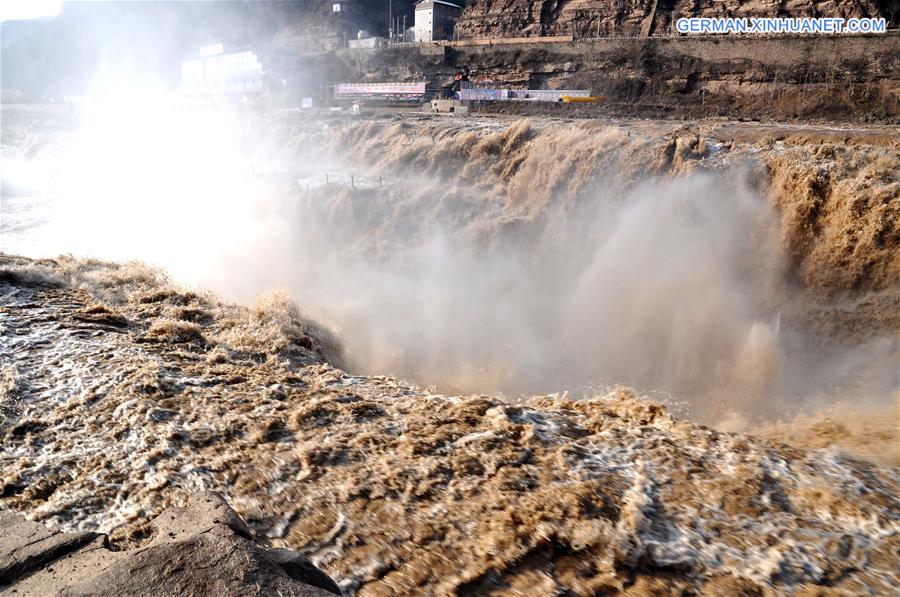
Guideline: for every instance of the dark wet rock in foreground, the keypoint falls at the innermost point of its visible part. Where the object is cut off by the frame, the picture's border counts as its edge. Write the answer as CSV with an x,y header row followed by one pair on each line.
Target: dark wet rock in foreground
x,y
204,548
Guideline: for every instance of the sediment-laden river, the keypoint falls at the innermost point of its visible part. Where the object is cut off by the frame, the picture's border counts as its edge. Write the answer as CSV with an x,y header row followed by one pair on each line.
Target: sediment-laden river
x,y
737,275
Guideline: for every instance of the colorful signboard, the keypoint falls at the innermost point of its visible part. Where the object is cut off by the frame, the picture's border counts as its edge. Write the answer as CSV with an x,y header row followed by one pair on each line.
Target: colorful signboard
x,y
379,89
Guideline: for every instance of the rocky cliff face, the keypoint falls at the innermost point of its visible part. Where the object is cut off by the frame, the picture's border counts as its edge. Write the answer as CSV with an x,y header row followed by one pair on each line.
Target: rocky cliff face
x,y
598,18
831,77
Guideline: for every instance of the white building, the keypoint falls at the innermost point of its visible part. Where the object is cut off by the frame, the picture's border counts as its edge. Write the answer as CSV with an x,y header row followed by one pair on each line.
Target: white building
x,y
435,20
221,70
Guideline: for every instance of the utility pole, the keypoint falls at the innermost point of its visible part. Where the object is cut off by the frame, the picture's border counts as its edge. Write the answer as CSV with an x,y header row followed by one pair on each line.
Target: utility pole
x,y
390,21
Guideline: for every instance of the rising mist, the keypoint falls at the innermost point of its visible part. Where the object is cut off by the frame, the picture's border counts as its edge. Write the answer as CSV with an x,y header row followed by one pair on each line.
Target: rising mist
x,y
675,284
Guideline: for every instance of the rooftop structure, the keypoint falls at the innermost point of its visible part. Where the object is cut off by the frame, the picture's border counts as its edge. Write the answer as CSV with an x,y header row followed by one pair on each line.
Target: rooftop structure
x,y
435,20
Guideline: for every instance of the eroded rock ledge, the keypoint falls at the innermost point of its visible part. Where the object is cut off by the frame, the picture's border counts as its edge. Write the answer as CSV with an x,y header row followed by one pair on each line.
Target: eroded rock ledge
x,y
204,548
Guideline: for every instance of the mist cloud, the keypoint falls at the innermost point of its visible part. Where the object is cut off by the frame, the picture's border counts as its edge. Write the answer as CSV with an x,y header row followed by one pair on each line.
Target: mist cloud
x,y
674,285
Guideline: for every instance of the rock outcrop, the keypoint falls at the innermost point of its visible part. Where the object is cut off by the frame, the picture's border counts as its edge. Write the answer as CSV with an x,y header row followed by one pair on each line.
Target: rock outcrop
x,y
203,549
602,18
825,77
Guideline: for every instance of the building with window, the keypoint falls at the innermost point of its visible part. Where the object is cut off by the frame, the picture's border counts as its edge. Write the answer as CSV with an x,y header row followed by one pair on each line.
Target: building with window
x,y
221,70
435,20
